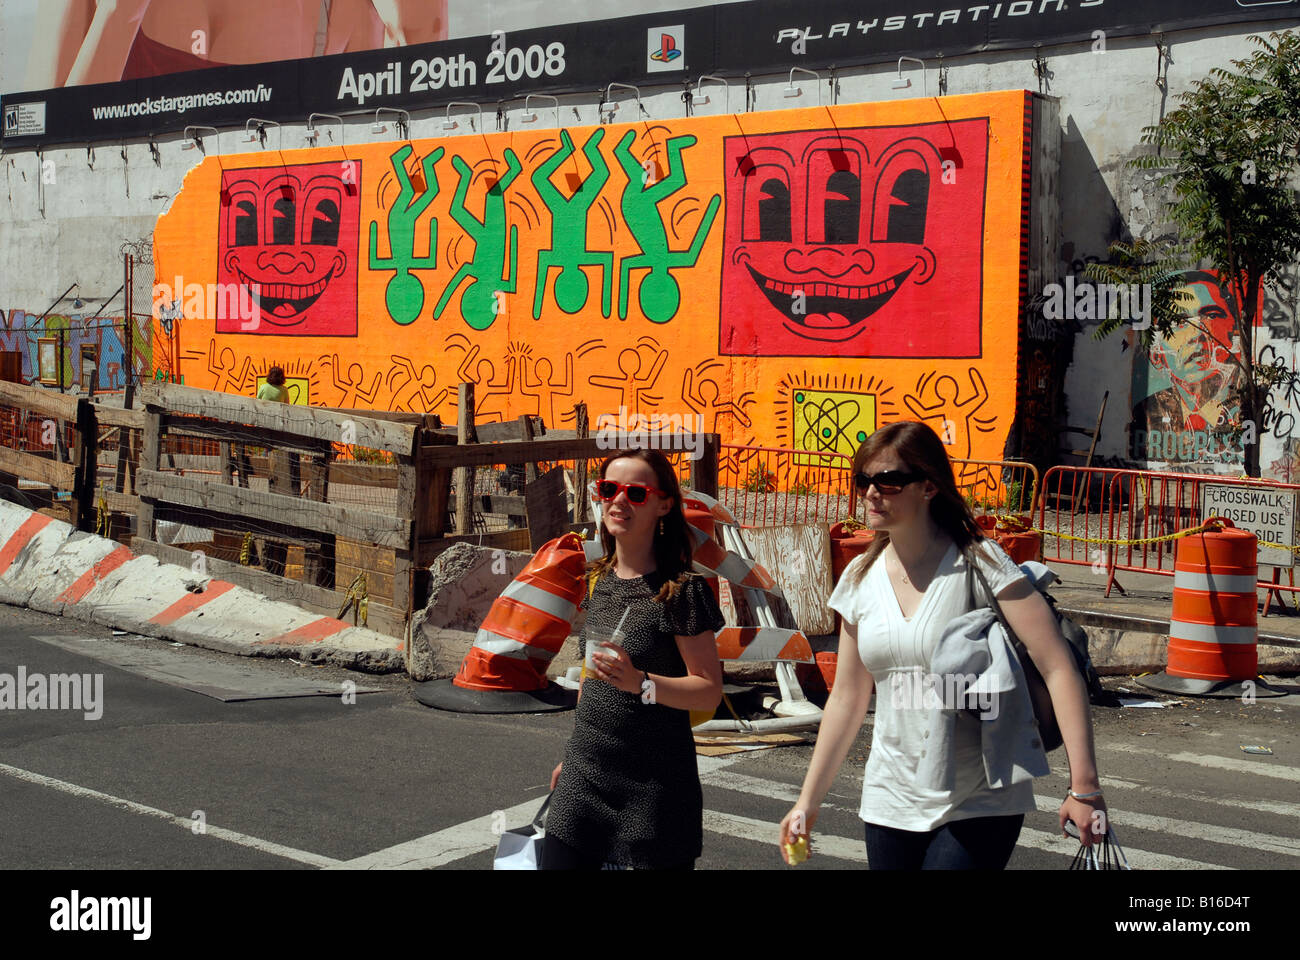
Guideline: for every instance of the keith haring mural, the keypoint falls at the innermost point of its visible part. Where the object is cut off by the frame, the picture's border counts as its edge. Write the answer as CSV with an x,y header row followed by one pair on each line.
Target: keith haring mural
x,y
665,267
289,235
835,235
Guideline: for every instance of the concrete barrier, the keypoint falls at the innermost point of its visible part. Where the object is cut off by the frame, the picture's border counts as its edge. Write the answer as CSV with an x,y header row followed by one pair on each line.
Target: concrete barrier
x,y
48,566
29,539
67,575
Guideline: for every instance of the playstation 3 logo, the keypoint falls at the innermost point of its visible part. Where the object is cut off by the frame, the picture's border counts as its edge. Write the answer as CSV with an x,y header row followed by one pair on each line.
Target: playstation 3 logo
x,y
665,48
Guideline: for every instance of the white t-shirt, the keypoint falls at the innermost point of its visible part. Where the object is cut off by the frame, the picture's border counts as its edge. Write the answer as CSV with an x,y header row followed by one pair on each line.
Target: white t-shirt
x,y
897,651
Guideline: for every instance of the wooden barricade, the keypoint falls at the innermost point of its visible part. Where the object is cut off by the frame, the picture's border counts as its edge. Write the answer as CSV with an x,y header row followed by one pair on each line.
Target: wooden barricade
x,y
296,502
309,505
36,424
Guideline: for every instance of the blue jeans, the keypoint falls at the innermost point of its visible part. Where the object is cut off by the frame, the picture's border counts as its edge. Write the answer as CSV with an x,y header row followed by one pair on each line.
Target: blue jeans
x,y
979,843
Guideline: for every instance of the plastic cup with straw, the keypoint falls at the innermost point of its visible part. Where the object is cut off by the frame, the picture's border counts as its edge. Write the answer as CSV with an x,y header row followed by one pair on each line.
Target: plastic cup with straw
x,y
615,637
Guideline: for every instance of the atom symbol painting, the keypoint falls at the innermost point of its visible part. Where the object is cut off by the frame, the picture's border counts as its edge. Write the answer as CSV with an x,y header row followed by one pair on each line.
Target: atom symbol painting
x,y
825,421
830,413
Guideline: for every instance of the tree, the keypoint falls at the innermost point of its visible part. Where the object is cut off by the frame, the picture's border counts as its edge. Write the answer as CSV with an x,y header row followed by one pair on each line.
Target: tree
x,y
1230,155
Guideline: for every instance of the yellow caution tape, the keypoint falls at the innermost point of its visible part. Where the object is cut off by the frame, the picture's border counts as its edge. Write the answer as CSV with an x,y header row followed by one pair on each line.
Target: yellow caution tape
x,y
1210,526
358,600
101,514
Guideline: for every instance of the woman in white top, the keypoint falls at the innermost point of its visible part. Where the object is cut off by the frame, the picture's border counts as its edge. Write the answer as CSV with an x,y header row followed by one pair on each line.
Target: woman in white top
x,y
895,601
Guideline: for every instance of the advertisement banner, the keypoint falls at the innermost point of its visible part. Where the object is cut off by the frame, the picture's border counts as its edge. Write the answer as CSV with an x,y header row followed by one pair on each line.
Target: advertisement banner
x,y
147,86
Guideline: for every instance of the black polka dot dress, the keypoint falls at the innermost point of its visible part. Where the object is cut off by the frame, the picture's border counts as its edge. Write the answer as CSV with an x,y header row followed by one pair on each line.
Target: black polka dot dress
x,y
629,792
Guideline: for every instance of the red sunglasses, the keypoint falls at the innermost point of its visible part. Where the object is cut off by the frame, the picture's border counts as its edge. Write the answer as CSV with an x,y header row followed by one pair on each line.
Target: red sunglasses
x,y
636,492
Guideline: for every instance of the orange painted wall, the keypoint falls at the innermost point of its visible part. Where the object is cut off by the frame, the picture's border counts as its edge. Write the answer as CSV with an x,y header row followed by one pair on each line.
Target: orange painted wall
x,y
899,223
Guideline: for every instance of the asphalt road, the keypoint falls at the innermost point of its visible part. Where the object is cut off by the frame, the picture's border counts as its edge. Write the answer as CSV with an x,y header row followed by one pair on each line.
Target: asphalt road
x,y
312,782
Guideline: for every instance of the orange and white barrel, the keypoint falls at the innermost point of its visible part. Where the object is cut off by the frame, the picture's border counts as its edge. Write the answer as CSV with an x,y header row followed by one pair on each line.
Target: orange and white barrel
x,y
505,670
528,623
1213,627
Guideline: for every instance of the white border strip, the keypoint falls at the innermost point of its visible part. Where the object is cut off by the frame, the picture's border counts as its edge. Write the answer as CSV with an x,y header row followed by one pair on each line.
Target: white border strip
x,y
1214,582
232,836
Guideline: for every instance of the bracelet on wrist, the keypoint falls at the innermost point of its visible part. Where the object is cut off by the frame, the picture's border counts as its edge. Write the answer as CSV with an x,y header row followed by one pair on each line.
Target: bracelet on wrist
x,y
1092,795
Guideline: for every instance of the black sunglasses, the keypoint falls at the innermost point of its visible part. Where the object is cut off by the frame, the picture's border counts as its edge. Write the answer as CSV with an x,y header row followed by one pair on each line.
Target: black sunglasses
x,y
889,482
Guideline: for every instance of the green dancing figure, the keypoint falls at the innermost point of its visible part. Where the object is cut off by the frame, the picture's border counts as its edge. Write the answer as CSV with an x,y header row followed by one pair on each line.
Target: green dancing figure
x,y
659,295
568,250
404,295
479,304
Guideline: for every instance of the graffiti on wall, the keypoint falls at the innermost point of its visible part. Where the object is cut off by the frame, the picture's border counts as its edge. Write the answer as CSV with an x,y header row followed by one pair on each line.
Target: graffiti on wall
x,y
83,335
289,235
1185,403
661,268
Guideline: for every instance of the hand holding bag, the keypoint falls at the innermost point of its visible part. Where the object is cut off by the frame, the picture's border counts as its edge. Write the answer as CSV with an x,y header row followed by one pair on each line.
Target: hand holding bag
x,y
1109,857
521,849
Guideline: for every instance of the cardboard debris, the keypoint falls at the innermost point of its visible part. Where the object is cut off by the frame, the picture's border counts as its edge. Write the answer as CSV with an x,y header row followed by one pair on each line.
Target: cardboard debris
x,y
719,745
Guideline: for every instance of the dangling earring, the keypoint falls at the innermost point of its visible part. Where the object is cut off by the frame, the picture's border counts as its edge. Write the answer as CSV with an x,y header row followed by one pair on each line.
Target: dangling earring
x,y
661,526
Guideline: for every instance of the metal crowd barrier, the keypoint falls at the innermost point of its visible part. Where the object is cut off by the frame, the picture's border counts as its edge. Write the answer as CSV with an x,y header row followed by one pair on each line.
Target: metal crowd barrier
x,y
1130,520
772,486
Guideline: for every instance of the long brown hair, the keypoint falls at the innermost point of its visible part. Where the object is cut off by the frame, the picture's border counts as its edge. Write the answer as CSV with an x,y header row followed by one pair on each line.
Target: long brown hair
x,y
921,451
672,548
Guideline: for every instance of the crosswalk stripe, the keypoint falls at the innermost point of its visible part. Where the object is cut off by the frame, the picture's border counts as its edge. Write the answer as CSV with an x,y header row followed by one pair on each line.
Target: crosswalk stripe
x,y
1279,807
209,830
463,840
1121,818
842,848
1138,859
765,831
1255,767
473,836
758,786
1034,839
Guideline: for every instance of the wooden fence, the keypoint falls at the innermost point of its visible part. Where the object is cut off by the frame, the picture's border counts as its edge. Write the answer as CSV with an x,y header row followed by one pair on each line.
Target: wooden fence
x,y
299,502
79,450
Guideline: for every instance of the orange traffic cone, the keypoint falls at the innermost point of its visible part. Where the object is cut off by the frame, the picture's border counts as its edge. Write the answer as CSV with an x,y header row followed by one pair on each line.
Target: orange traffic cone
x,y
505,671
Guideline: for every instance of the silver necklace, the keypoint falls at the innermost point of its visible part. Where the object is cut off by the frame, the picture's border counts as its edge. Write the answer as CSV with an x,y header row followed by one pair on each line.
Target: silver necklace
x,y
903,569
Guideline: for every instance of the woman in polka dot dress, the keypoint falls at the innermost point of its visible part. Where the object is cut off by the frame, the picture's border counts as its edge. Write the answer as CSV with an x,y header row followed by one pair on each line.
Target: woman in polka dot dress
x,y
627,793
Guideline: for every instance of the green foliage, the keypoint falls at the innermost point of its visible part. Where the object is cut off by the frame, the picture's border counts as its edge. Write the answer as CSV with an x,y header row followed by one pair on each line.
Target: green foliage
x,y
1228,155
368,455
803,488
1140,262
760,479
1020,496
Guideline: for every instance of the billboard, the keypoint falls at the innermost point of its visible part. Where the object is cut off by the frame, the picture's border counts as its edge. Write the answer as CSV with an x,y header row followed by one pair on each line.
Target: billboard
x,y
74,70
799,276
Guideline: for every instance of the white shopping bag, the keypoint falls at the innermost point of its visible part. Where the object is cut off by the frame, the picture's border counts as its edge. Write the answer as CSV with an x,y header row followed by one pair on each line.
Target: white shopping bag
x,y
521,849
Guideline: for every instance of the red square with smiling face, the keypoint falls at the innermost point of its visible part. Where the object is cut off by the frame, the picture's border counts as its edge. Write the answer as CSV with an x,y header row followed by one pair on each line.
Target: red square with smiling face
x,y
291,234
862,242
